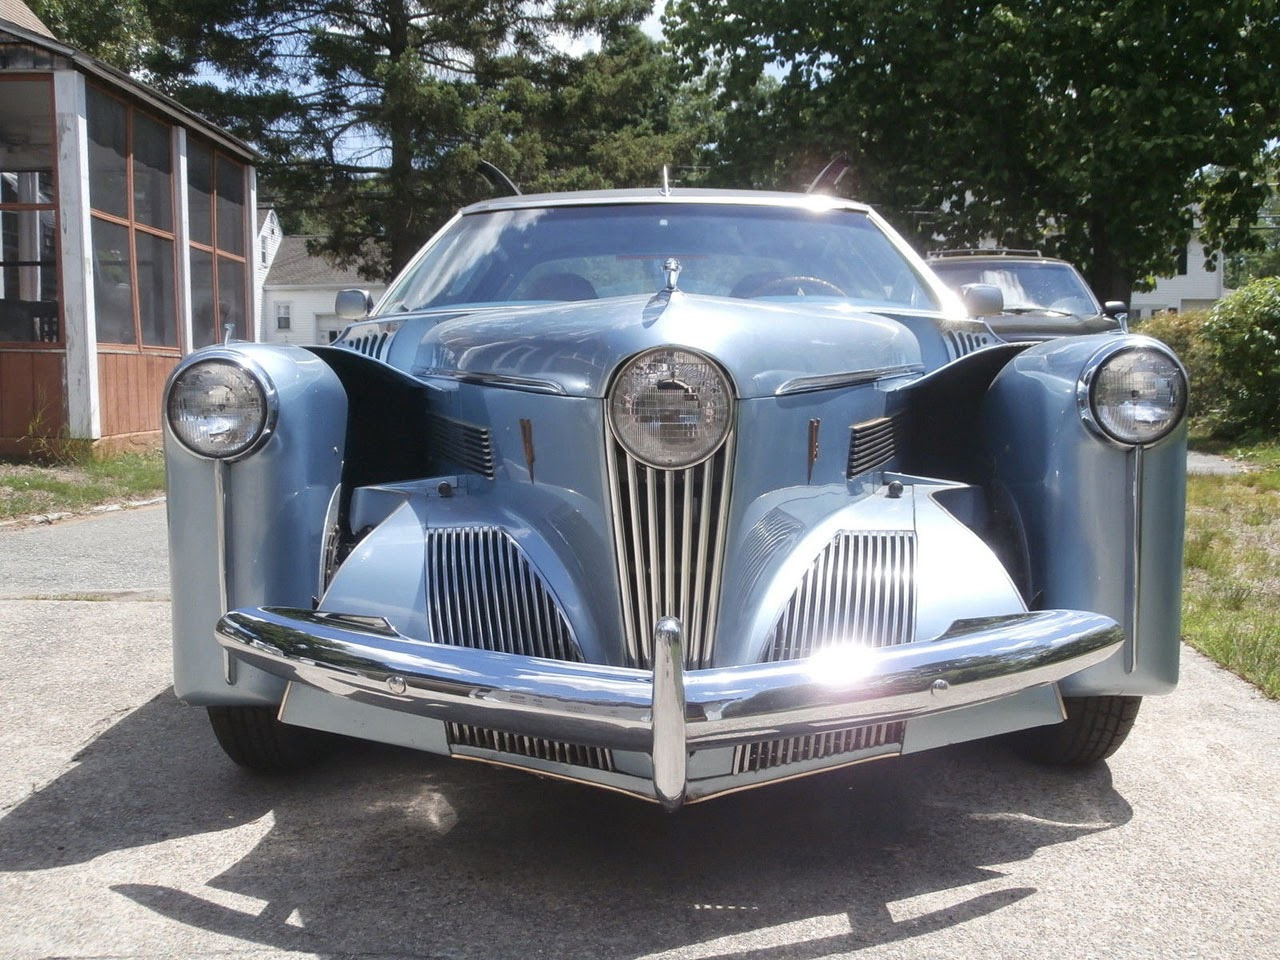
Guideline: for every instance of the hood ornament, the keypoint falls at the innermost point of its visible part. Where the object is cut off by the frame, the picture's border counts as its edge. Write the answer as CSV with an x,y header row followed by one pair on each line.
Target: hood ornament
x,y
671,266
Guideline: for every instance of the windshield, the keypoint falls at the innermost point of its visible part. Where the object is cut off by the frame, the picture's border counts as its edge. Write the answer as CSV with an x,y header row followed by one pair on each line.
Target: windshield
x,y
1027,285
593,252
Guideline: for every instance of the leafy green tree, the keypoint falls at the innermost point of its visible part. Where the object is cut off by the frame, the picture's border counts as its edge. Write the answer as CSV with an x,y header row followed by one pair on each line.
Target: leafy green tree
x,y
374,115
116,31
1263,260
1095,129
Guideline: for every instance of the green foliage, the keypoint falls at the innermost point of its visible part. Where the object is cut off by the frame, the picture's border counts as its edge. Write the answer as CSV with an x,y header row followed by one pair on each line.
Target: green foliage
x,y
1244,334
1231,567
373,117
1093,133
117,31
78,483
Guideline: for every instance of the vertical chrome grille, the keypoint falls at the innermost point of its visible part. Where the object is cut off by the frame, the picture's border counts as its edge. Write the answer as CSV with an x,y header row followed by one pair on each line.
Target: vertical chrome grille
x,y
767,754
859,590
500,741
871,444
483,592
669,528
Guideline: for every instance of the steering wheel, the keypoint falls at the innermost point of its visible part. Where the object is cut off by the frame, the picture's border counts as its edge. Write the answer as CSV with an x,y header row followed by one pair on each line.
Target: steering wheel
x,y
795,285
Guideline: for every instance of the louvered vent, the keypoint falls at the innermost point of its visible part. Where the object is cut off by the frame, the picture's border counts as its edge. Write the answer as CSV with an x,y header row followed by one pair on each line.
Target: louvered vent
x,y
859,590
964,342
464,444
669,535
499,741
483,592
872,444
370,339
768,754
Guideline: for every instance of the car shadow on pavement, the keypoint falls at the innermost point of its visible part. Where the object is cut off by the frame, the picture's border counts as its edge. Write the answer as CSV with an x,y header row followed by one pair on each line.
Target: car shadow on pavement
x,y
387,851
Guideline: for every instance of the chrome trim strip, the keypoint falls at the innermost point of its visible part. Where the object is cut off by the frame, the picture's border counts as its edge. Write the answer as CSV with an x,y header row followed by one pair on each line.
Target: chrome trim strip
x,y
850,378
528,384
1135,559
620,708
222,524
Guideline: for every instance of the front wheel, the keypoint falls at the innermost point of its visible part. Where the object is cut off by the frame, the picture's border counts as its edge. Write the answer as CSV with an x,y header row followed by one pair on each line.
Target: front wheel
x,y
254,738
1094,729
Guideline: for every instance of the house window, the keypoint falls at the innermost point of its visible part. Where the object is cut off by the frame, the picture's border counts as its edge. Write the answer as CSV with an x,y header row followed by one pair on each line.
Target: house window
x,y
1182,262
216,208
131,225
282,316
28,214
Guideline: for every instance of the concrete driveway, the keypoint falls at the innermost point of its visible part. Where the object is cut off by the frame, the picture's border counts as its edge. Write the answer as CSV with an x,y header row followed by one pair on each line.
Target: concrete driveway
x,y
125,833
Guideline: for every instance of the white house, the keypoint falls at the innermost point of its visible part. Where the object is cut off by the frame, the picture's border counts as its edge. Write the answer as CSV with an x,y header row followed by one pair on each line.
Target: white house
x,y
299,290
1191,288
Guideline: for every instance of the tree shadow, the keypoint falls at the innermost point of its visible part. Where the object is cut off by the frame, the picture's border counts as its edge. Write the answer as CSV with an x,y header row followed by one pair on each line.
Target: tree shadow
x,y
384,850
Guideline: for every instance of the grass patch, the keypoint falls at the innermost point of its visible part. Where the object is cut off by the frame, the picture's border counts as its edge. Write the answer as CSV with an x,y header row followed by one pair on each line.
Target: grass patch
x,y
1232,561
30,489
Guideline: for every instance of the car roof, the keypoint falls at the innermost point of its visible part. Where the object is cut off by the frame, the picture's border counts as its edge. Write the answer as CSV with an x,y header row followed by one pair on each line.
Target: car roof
x,y
994,256
654,195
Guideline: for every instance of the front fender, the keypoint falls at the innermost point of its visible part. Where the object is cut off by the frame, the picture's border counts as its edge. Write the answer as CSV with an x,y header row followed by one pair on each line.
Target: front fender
x,y
249,531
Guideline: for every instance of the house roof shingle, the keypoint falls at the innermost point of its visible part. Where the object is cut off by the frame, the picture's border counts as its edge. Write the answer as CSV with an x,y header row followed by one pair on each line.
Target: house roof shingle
x,y
20,15
293,266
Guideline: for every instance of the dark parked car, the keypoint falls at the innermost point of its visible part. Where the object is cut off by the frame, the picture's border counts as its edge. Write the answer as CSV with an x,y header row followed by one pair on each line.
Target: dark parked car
x,y
674,493
1041,297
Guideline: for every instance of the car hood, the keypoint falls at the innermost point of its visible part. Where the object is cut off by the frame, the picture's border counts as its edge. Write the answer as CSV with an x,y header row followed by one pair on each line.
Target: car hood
x,y
574,348
1048,325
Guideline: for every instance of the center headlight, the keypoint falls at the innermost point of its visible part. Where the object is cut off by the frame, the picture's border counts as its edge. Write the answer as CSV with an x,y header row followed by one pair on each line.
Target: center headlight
x,y
1133,394
218,408
670,408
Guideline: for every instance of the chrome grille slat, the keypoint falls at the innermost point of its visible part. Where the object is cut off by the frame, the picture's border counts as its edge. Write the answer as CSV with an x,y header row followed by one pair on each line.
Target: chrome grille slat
x,y
556,751
482,592
670,529
859,589
769,754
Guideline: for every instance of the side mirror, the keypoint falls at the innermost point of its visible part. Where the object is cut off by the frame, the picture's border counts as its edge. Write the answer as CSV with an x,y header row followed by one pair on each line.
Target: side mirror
x,y
982,299
353,304
1118,311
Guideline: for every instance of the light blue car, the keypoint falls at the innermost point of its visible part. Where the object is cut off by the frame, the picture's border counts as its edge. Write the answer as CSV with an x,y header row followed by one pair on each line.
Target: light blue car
x,y
674,493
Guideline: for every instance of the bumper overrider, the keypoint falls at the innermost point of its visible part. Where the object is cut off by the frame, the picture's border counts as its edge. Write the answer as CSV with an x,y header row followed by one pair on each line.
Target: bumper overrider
x,y
668,712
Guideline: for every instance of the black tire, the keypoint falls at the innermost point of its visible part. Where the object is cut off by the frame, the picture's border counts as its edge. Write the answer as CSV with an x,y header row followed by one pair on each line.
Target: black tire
x,y
1094,729
255,739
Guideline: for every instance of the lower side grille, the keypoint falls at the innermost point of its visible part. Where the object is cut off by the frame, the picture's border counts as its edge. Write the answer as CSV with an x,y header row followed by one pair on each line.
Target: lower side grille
x,y
483,592
768,754
859,590
500,741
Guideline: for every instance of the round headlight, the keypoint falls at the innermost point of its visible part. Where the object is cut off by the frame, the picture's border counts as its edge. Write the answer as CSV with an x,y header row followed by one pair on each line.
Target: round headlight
x,y
1134,394
218,408
670,408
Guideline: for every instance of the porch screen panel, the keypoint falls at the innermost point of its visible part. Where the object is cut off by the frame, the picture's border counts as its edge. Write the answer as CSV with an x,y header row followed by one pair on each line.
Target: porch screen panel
x,y
28,213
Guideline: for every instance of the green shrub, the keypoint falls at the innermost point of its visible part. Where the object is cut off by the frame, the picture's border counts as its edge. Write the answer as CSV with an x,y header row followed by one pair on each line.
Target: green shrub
x,y
1185,333
1244,334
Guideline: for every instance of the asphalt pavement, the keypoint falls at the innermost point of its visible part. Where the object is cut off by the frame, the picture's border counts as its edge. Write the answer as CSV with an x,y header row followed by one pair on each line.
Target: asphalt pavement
x,y
124,832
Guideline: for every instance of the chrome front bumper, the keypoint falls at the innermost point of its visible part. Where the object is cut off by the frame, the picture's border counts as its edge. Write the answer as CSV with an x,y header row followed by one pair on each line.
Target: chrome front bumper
x,y
668,712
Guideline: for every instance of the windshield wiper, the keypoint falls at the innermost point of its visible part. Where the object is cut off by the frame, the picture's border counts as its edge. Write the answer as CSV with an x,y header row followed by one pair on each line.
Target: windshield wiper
x,y
1050,310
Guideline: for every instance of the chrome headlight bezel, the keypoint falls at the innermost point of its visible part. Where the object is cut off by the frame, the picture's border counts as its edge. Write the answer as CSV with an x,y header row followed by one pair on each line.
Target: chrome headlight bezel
x,y
1093,379
715,388
253,378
